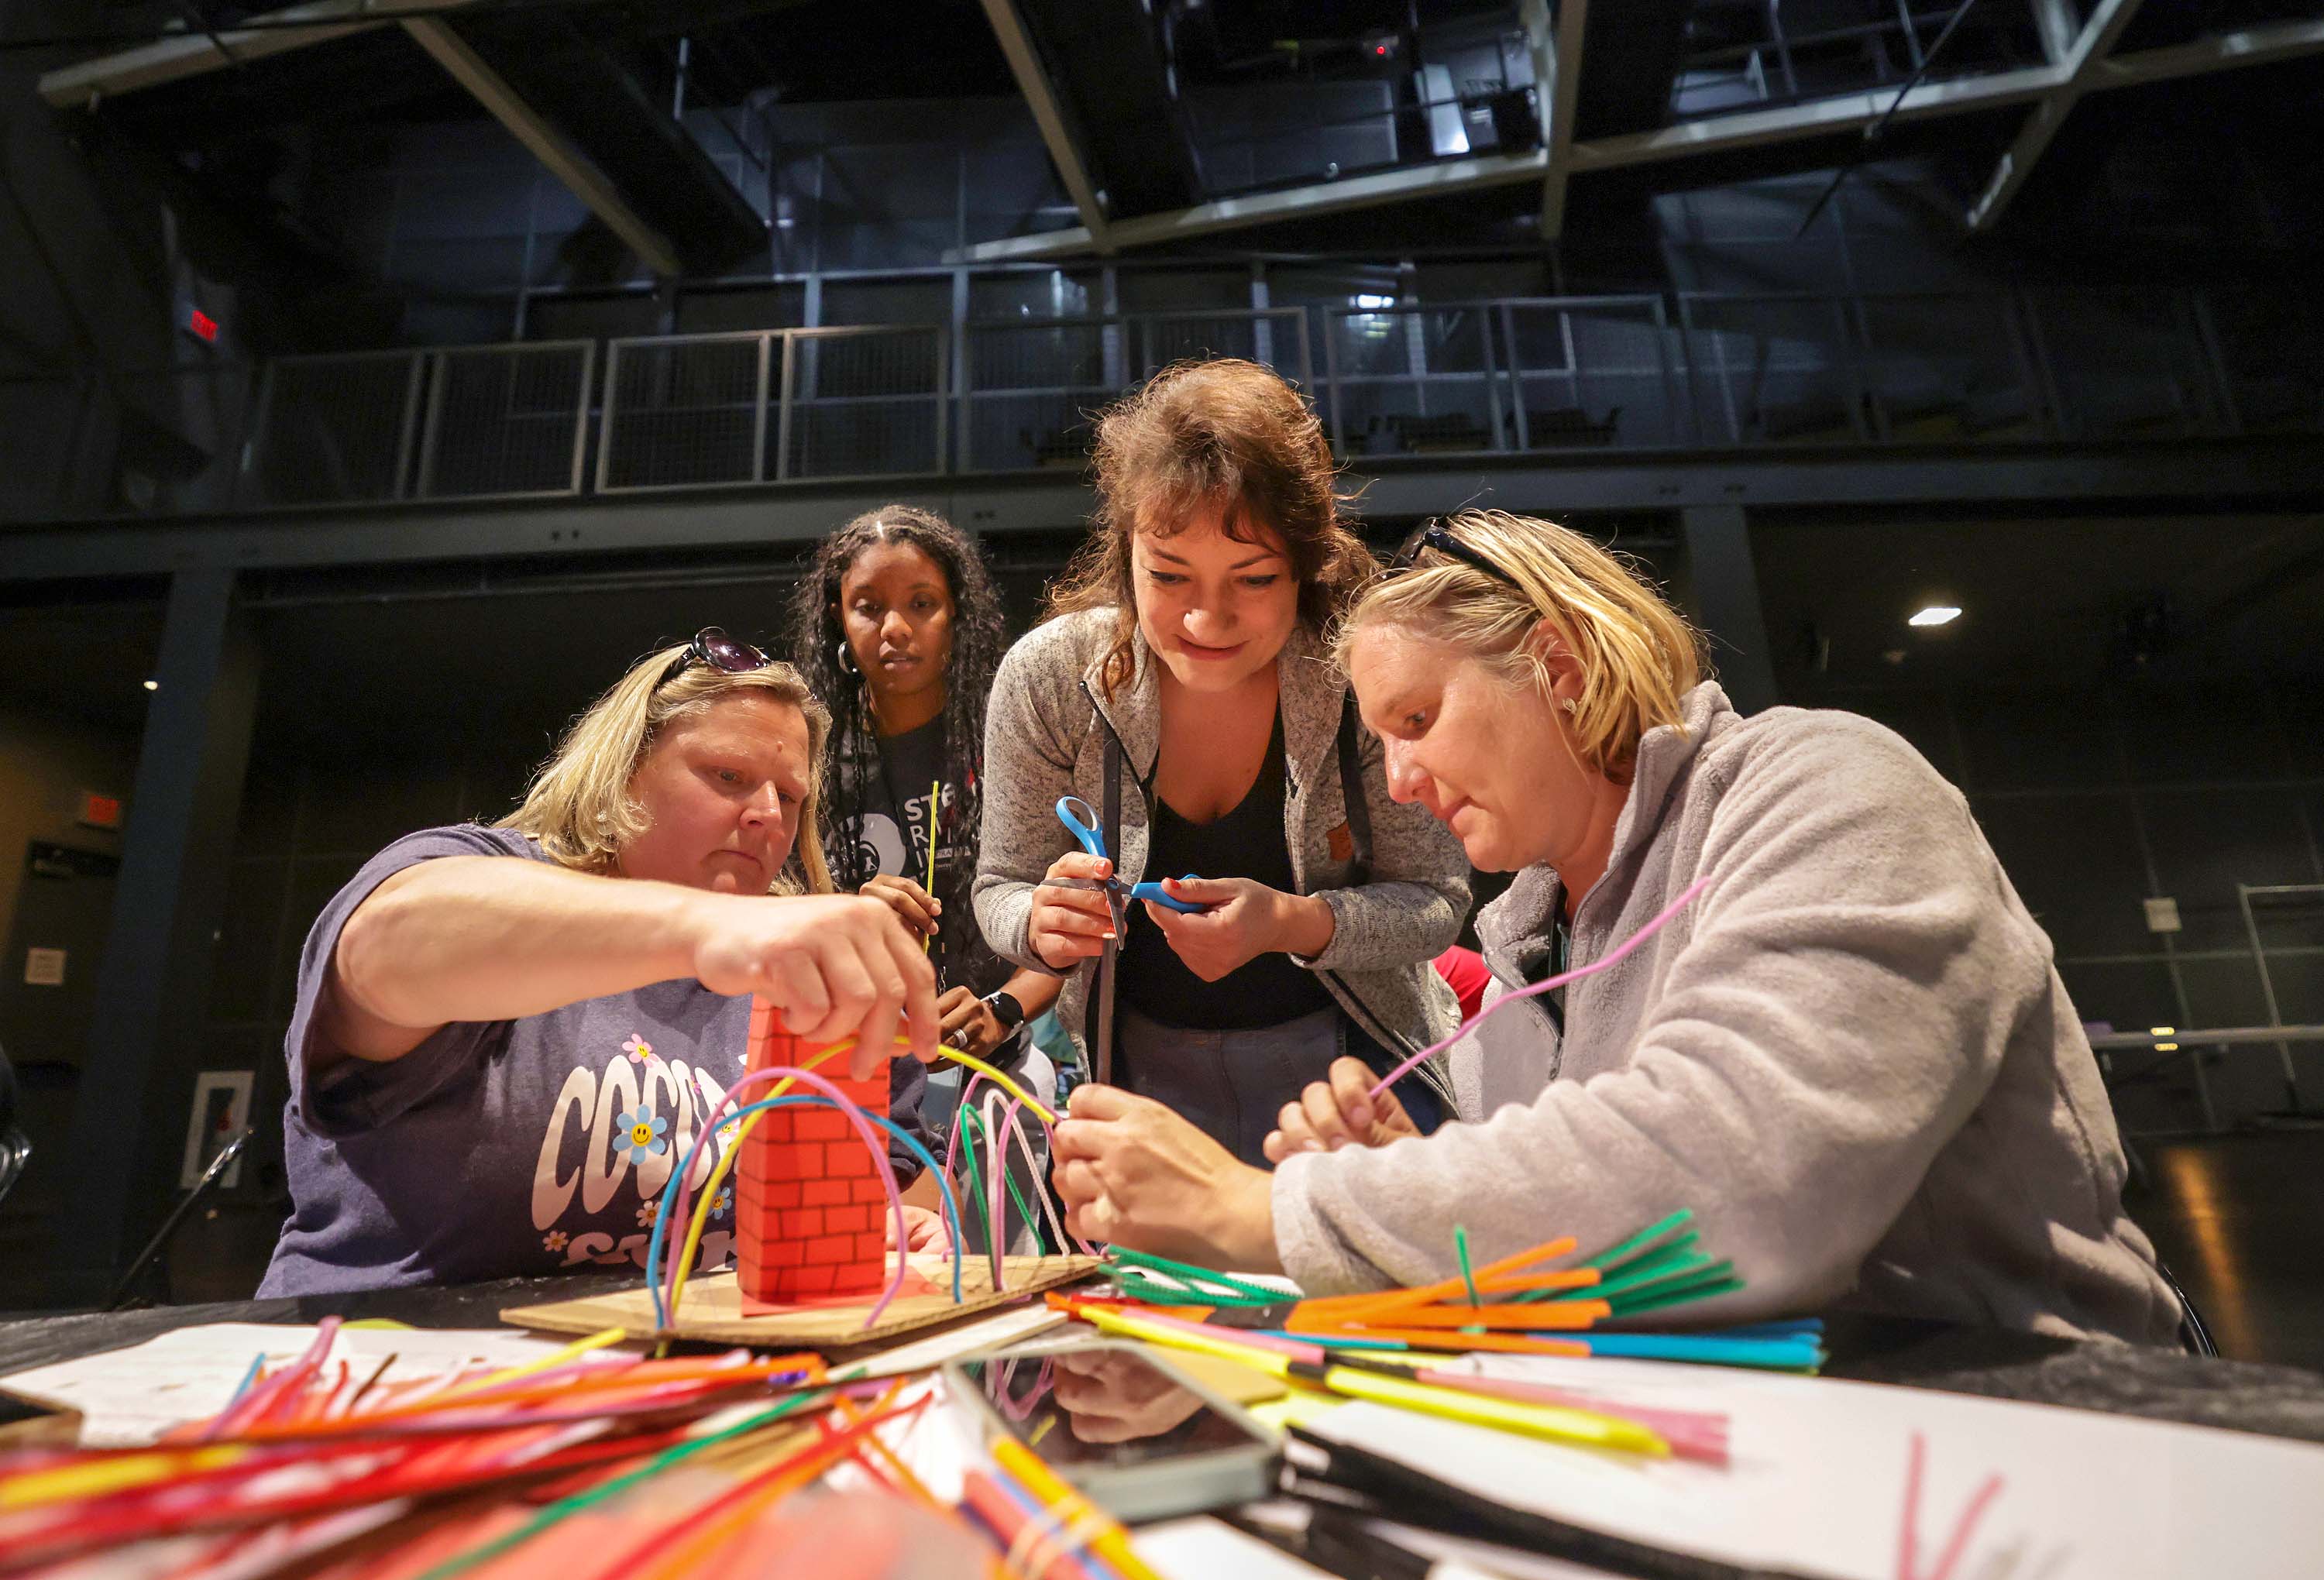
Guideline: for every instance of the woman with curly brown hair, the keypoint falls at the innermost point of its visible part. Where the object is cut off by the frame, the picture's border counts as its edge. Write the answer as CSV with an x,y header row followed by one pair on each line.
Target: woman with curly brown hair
x,y
1181,688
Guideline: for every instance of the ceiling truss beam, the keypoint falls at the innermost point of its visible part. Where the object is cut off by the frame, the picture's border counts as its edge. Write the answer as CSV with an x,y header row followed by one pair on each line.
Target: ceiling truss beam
x,y
87,83
1728,134
1050,116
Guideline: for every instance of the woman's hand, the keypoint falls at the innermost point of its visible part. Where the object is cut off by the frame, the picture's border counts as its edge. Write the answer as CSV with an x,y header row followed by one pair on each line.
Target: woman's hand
x,y
1069,926
1133,1172
1338,1112
1109,1397
969,1022
1241,920
836,965
914,907
924,1231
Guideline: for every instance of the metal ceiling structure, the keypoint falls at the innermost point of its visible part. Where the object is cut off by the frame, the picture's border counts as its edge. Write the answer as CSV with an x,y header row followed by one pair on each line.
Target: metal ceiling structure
x,y
2083,59
575,107
1115,90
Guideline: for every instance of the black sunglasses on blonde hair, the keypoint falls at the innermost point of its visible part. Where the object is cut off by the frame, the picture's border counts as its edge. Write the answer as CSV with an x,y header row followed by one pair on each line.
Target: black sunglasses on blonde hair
x,y
715,649
1433,536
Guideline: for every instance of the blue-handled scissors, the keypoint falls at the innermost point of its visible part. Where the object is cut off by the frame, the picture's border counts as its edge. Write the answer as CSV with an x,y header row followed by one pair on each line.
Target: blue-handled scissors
x,y
1081,821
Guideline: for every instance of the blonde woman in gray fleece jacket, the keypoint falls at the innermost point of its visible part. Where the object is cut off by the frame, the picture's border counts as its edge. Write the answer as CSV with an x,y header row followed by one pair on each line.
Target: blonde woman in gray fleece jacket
x,y
1183,670
1849,1055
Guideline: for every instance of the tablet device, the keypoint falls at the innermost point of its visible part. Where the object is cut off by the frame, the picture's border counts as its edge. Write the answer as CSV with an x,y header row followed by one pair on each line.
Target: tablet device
x,y
1143,1439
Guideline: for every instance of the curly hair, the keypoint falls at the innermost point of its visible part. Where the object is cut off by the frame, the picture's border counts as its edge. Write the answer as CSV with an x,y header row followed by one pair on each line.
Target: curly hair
x,y
1220,431
978,639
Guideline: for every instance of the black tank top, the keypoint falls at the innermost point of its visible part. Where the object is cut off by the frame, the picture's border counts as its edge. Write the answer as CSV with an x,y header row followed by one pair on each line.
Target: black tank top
x,y
1246,842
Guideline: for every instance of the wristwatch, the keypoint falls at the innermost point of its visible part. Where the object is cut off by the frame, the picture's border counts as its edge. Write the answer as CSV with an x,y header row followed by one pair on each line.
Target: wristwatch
x,y
1005,1009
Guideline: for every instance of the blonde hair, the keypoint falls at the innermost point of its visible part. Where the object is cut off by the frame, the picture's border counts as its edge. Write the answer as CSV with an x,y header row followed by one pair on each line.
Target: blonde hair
x,y
578,806
1638,656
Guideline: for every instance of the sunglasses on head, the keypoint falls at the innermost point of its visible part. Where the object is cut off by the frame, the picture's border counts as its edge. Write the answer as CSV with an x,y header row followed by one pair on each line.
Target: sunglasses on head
x,y
1439,538
714,648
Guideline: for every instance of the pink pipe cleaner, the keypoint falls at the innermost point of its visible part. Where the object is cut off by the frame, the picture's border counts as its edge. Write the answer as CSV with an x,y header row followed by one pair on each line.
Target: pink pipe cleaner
x,y
1560,980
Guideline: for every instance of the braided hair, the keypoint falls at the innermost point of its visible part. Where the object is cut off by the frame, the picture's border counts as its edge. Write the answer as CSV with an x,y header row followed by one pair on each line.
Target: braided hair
x,y
978,640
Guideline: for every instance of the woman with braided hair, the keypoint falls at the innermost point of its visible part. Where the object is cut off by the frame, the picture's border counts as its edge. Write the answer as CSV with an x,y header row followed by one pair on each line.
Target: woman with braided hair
x,y
898,627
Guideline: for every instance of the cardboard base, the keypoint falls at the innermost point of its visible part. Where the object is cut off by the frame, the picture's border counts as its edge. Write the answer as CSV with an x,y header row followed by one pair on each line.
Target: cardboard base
x,y
713,1310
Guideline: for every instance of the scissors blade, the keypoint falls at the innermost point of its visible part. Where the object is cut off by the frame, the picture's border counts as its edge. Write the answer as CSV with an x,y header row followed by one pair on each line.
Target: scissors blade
x,y
1107,966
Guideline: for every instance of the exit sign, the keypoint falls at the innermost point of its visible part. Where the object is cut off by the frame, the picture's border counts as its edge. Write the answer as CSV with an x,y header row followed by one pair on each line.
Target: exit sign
x,y
99,812
197,324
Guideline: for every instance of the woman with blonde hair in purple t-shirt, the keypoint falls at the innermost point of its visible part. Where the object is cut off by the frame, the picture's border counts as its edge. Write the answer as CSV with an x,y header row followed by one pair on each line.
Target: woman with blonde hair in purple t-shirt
x,y
505,1038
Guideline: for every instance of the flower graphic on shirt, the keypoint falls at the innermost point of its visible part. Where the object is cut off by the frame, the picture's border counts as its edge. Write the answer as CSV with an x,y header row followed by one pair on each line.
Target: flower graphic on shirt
x,y
642,1133
553,1242
724,1204
637,1048
647,1214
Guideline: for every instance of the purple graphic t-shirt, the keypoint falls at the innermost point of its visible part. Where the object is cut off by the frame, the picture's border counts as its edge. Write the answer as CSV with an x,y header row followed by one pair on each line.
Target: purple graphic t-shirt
x,y
507,1147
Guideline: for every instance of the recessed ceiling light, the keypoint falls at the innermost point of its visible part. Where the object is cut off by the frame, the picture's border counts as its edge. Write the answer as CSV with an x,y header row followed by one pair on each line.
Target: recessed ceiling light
x,y
1936,614
152,685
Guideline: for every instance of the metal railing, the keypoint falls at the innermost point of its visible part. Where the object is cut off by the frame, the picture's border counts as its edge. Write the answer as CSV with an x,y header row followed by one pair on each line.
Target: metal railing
x,y
1028,385
1519,374
470,422
770,406
1927,367
1516,375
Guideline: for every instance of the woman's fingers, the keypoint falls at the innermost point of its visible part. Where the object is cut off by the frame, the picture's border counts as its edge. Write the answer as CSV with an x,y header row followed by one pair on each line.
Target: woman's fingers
x,y
1068,925
913,905
916,978
957,1008
847,983
1351,1081
1376,1120
794,987
1080,864
1321,1106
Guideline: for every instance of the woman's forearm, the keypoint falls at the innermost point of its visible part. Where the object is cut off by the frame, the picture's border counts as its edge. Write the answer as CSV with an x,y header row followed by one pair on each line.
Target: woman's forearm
x,y
1034,991
1304,925
482,938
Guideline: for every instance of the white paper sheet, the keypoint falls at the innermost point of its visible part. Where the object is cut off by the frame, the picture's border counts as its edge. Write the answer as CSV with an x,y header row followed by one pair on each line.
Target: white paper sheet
x,y
132,1396
1817,1481
1203,1549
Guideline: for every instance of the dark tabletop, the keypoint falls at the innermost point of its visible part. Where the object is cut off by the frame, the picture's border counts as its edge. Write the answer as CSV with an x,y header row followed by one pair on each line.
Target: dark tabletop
x,y
2127,1380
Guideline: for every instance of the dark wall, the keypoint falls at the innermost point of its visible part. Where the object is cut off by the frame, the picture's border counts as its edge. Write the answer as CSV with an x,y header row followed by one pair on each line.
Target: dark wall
x,y
2097,799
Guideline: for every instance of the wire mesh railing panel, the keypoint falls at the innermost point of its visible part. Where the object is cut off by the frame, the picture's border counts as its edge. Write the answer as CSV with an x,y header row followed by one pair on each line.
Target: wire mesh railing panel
x,y
1032,388
862,403
506,419
1413,380
2125,365
1774,370
1593,374
2271,349
1275,338
1947,369
336,429
682,413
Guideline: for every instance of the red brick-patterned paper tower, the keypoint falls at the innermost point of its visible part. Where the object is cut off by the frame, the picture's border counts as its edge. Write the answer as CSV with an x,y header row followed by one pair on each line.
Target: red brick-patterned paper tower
x,y
808,1211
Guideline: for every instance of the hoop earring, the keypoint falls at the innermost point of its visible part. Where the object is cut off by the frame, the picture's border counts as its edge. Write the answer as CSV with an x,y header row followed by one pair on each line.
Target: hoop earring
x,y
847,661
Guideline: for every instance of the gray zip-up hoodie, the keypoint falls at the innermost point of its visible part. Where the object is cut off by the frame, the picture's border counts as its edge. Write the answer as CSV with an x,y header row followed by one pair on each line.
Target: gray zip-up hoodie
x,y
1850,1056
1044,736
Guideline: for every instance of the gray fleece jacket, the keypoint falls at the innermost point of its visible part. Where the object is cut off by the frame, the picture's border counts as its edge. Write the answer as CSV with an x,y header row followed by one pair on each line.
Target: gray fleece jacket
x,y
1044,736
1850,1056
